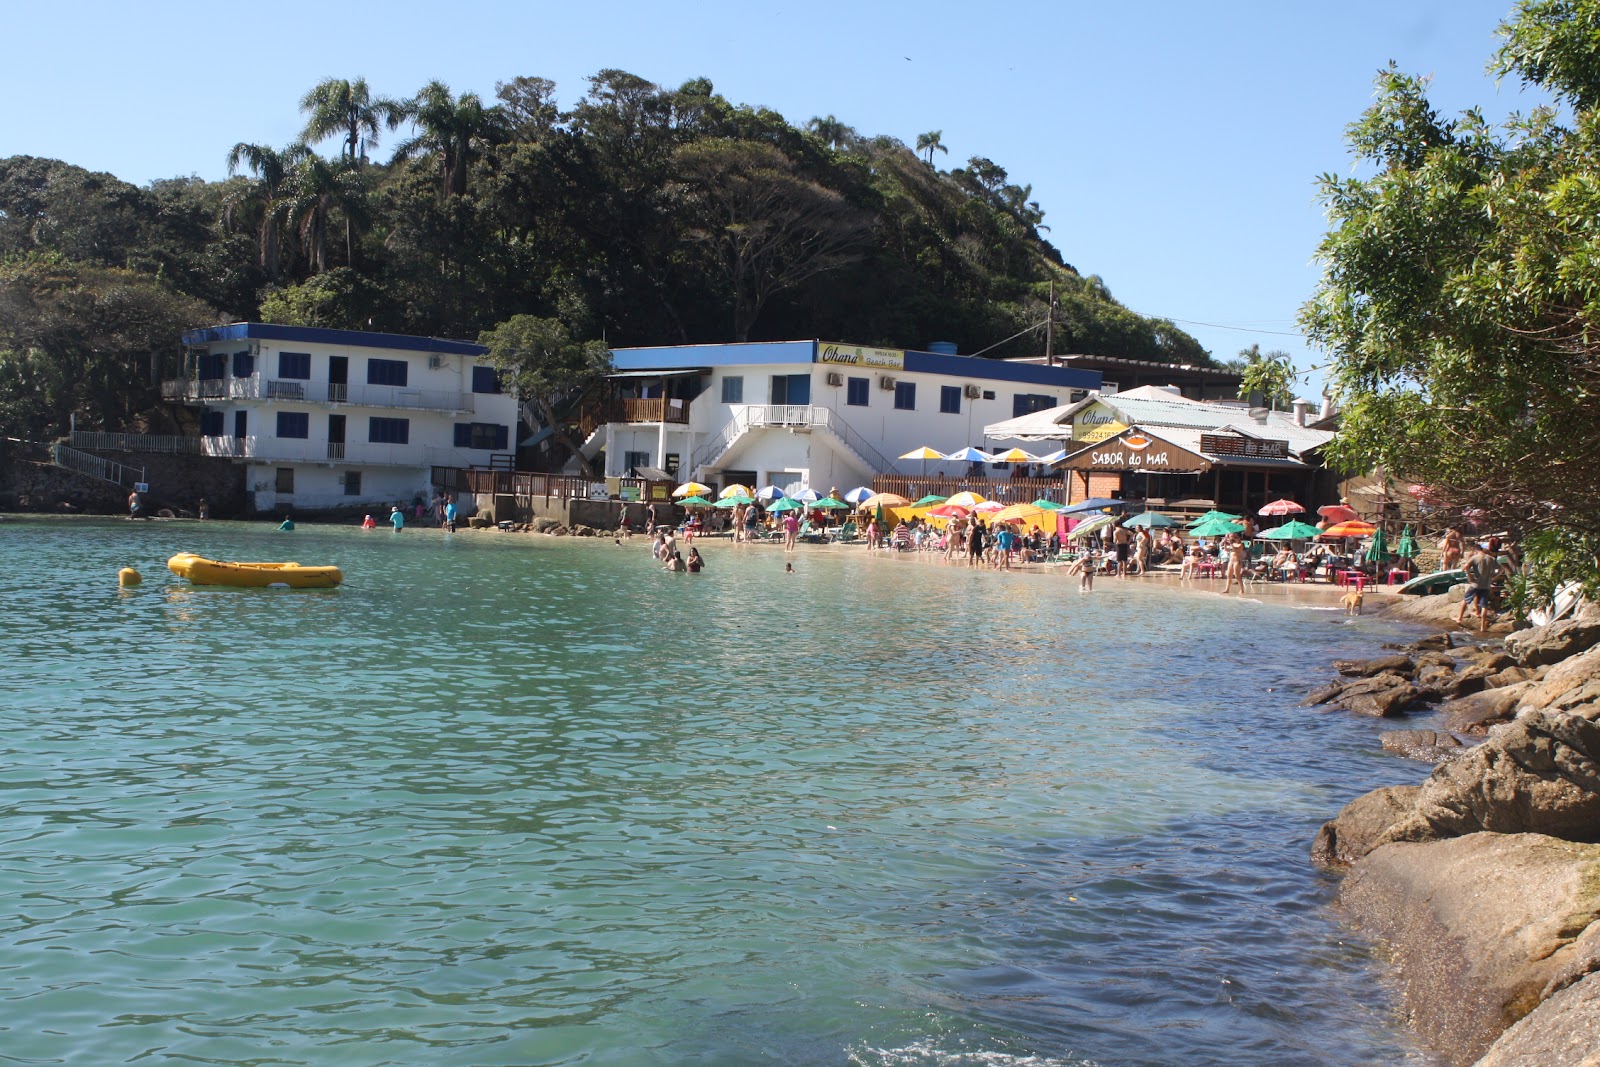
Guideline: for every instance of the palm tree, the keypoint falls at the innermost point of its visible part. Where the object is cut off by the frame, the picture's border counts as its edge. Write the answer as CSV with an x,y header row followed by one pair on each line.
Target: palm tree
x,y
264,198
453,130
315,190
338,106
929,142
831,132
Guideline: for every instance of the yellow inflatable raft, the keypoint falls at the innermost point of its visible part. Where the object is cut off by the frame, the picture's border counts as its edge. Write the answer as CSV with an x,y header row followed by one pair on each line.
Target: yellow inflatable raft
x,y
202,571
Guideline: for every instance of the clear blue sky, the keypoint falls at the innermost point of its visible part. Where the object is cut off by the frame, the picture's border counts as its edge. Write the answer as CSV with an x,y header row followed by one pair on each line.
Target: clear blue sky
x,y
1172,145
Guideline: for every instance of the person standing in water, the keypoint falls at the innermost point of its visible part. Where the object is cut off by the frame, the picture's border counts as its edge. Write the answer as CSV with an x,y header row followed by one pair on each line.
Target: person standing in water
x,y
397,518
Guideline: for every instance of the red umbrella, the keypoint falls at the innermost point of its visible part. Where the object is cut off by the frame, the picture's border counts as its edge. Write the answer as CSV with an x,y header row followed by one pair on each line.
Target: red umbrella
x,y
1337,512
949,511
1282,507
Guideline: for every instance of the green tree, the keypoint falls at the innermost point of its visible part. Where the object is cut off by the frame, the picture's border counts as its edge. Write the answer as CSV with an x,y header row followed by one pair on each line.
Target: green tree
x,y
548,370
339,299
766,228
1461,286
336,106
831,132
264,201
930,143
454,131
1269,375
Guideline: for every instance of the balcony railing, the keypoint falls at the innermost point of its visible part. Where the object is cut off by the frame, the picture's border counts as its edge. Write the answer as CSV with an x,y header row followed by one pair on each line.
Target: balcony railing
x,y
657,409
366,396
363,454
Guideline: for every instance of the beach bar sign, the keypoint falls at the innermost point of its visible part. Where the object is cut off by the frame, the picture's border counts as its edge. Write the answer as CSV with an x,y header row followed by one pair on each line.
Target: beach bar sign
x,y
857,356
1135,450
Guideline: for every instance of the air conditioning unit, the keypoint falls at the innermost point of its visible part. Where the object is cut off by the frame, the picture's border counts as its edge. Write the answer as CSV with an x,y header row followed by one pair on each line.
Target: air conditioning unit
x,y
885,382
435,362
835,378
972,392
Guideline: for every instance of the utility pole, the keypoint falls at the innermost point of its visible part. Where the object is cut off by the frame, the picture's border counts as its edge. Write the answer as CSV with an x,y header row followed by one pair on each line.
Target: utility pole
x,y
1050,328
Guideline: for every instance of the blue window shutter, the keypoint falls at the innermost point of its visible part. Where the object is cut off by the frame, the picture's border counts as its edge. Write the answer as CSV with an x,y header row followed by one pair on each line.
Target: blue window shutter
x,y
463,435
502,438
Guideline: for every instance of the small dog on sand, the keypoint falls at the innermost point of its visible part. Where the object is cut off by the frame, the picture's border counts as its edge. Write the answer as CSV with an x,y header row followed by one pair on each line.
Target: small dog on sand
x,y
1352,602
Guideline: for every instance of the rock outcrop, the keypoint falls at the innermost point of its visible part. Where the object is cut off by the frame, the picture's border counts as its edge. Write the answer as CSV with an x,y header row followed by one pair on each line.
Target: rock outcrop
x,y
1563,1031
1554,643
1483,927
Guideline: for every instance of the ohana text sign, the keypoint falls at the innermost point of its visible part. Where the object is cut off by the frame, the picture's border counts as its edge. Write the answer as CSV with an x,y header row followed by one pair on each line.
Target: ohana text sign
x,y
857,356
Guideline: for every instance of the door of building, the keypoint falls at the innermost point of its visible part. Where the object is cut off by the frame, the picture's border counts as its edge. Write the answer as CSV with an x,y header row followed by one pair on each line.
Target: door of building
x,y
336,436
338,378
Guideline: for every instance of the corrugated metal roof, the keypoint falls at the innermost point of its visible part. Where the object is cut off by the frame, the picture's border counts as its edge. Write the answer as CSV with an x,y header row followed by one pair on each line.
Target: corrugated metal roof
x,y
1189,437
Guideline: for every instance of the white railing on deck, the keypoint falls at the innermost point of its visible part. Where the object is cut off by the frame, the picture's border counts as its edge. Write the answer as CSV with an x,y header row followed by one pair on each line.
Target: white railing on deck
x,y
298,391
133,442
809,416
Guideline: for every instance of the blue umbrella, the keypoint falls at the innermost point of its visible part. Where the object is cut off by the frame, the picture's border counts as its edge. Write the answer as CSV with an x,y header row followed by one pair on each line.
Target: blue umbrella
x,y
858,494
805,496
970,455
770,492
1092,504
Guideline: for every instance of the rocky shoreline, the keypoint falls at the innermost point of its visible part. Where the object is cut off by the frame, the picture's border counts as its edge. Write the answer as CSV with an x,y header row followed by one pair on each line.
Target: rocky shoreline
x,y
1484,880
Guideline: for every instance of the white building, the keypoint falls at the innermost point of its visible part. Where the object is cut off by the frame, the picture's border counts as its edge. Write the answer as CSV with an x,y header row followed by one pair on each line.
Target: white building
x,y
813,412
342,418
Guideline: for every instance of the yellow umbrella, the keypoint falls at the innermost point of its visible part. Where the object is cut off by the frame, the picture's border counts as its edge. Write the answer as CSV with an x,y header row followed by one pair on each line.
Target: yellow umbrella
x,y
691,489
1016,455
923,453
1024,513
884,500
735,490
965,500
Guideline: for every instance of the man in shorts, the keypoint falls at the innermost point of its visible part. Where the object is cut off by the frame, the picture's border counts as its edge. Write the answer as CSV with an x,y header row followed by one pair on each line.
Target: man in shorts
x,y
1123,539
1482,569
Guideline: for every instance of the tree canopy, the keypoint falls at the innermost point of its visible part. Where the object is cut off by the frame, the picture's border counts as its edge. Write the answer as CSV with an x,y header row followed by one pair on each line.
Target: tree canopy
x,y
1460,294
644,214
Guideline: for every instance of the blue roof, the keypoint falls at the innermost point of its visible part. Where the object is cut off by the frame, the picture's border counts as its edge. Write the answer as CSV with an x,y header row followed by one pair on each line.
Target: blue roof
x,y
316,335
675,357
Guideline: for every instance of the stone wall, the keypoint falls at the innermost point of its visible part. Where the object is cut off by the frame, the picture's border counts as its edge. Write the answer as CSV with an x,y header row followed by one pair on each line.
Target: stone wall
x,y
30,482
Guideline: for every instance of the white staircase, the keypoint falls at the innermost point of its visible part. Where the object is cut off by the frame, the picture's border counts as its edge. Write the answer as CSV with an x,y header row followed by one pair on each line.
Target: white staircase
x,y
801,418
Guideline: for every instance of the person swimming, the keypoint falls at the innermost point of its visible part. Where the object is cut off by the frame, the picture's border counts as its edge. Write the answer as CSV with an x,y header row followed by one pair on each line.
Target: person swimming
x,y
369,523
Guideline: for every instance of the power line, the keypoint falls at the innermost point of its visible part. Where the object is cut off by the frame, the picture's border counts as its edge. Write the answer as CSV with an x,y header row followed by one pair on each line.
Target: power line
x,y
1221,326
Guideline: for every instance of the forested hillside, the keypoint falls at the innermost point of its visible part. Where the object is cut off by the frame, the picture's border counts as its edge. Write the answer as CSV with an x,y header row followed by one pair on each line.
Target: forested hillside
x,y
643,215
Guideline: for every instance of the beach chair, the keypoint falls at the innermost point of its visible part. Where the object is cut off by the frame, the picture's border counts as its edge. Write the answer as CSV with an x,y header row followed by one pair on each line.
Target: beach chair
x,y
847,532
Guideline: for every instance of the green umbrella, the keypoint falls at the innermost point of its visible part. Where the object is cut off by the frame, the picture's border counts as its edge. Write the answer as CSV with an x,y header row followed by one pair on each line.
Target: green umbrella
x,y
785,504
732,501
1406,548
1048,505
930,500
1291,531
696,502
830,503
1378,551
1215,528
1222,516
1149,520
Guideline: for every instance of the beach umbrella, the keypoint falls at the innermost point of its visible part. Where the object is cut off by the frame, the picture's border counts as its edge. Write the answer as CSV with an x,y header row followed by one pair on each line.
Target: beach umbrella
x,y
1094,503
1281,507
858,494
1378,551
1290,531
696,502
987,507
785,504
1213,516
1406,547
737,490
1022,513
770,492
885,500
970,455
930,500
733,501
965,500
949,511
1216,528
805,496
1336,513
1054,457
1048,505
1149,520
1350,528
1016,455
829,503
1090,525
923,453
691,489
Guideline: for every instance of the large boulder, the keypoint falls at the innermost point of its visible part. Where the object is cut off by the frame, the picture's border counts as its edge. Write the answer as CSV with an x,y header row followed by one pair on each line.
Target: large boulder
x,y
1476,712
1572,686
1539,774
1366,668
1553,643
1481,927
1429,746
1563,1031
1356,829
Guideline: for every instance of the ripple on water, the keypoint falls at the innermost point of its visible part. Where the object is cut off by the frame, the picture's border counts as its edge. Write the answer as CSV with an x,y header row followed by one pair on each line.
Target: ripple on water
x,y
515,801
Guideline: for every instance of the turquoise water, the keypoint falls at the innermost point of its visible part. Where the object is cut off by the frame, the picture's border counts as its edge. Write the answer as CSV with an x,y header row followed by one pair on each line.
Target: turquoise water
x,y
509,800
